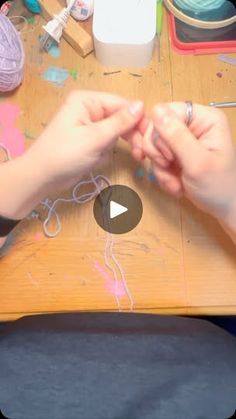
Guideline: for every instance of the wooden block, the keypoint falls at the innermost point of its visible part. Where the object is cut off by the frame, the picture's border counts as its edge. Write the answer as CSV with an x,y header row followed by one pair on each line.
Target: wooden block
x,y
74,34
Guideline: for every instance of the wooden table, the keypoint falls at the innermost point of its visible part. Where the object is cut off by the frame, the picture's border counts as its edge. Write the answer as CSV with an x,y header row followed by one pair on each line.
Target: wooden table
x,y
177,260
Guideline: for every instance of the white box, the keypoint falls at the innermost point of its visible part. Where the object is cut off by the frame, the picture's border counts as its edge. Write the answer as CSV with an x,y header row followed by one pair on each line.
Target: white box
x,y
124,32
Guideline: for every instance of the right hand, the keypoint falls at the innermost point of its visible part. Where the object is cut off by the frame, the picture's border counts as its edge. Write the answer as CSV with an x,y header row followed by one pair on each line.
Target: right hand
x,y
198,161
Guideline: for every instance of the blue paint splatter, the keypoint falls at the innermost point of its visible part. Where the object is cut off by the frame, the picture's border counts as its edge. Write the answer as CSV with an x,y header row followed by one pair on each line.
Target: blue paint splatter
x,y
139,172
54,50
56,75
151,176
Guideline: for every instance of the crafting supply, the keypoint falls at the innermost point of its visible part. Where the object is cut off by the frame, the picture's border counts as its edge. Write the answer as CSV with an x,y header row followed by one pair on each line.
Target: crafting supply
x,y
110,253
189,40
74,33
79,199
11,56
109,257
197,23
207,10
226,59
197,7
159,13
82,9
33,6
223,104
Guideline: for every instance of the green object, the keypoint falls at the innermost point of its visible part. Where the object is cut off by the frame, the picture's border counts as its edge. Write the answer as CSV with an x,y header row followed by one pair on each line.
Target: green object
x,y
28,135
74,74
159,16
31,20
159,25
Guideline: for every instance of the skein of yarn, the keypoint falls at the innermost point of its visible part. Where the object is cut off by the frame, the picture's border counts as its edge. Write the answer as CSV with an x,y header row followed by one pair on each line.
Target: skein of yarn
x,y
11,56
208,10
196,6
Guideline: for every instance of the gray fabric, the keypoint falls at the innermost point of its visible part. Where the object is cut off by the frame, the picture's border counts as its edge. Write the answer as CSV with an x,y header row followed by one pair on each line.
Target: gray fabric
x,y
116,366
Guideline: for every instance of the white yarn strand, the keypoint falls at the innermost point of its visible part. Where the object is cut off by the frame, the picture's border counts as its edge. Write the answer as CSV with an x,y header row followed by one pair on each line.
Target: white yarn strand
x,y
109,252
98,182
6,151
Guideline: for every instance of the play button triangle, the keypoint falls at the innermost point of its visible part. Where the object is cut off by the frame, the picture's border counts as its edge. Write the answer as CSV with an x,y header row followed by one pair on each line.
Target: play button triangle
x,y
116,209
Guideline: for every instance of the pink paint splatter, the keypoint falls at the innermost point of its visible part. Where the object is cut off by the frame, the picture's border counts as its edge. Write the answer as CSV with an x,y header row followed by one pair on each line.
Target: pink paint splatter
x,y
10,136
32,279
115,288
38,236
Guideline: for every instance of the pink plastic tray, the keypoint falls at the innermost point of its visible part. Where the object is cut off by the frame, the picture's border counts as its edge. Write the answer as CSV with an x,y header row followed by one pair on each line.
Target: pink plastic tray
x,y
197,48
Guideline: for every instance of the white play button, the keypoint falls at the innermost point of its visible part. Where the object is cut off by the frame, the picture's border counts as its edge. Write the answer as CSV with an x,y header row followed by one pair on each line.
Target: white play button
x,y
116,209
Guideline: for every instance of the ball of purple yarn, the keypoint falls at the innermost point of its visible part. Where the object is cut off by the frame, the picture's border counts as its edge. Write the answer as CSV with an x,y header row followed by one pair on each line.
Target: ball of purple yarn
x,y
12,56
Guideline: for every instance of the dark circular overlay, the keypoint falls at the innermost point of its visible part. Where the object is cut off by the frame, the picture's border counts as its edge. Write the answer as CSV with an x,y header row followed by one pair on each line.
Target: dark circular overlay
x,y
116,196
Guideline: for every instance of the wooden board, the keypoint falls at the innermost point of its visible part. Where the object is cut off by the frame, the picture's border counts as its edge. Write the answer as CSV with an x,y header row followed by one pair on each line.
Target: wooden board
x,y
177,260
74,33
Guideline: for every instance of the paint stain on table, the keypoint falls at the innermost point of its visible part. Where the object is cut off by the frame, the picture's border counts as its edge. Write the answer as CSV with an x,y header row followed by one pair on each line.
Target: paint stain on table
x,y
56,75
114,288
10,136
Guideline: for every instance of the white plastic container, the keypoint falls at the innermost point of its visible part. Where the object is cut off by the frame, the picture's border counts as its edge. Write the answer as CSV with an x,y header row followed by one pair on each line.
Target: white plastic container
x,y
124,32
82,9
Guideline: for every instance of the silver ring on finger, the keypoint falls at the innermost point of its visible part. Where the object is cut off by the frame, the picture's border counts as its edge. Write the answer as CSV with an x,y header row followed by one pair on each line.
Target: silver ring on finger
x,y
189,112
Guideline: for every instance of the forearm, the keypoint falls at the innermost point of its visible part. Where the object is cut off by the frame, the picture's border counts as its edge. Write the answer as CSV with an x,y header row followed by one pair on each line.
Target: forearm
x,y
22,186
229,221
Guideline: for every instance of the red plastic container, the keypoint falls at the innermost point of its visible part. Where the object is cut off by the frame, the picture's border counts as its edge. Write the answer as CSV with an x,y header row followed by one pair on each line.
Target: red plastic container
x,y
198,47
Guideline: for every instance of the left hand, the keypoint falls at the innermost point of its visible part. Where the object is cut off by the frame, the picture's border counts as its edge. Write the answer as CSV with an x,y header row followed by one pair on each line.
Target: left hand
x,y
84,129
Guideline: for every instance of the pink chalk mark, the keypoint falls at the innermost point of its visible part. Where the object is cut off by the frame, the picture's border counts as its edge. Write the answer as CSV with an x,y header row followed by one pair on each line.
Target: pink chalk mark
x,y
115,288
10,136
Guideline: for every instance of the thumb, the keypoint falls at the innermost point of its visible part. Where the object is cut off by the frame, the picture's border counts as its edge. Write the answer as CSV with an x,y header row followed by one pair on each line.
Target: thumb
x,y
177,136
118,124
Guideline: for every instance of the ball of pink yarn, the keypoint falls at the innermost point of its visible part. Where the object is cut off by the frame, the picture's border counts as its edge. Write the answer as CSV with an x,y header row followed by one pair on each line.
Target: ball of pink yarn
x,y
12,56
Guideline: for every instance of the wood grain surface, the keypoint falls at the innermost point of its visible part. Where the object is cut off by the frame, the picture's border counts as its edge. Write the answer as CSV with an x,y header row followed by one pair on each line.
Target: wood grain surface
x,y
178,260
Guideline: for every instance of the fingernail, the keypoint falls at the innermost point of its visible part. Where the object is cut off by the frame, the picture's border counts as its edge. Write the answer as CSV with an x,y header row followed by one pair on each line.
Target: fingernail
x,y
163,115
136,107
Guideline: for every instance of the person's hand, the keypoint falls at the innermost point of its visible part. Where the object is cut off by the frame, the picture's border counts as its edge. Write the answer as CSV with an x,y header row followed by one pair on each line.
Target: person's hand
x,y
85,128
198,161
